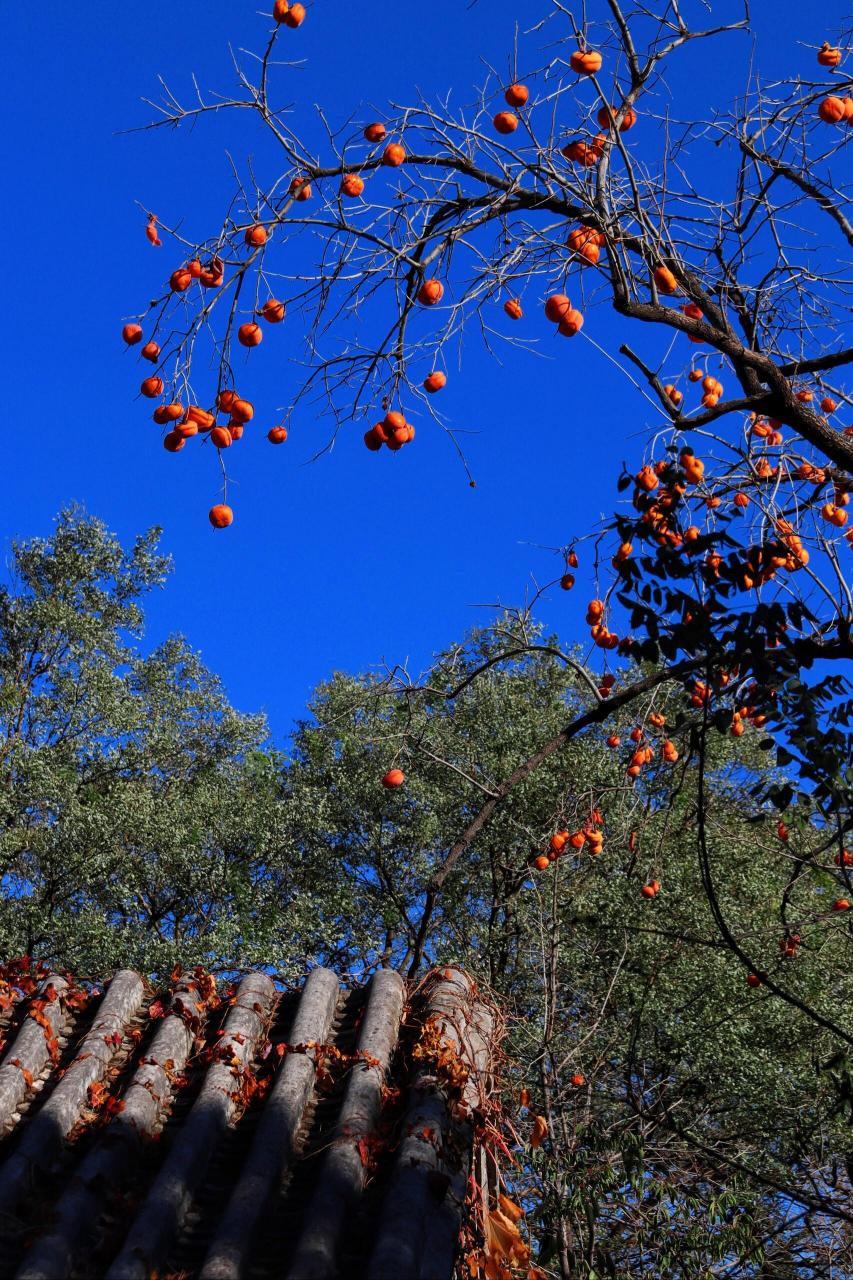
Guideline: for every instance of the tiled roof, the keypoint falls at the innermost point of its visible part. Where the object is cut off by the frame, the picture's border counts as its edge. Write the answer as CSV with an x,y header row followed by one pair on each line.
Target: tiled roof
x,y
316,1133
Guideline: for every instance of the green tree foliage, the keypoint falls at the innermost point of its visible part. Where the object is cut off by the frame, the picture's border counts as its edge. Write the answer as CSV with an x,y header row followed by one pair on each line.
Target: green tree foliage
x,y
139,809
709,1133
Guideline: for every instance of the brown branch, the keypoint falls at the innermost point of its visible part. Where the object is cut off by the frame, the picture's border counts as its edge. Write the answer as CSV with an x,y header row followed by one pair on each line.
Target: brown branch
x,y
804,184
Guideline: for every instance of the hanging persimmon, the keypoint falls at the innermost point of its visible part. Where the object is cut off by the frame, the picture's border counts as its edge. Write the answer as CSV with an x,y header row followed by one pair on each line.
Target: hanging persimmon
x,y
586,62
220,515
505,122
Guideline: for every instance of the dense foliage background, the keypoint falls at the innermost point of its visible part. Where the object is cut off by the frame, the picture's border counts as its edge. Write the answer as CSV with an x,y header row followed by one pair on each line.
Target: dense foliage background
x,y
694,1120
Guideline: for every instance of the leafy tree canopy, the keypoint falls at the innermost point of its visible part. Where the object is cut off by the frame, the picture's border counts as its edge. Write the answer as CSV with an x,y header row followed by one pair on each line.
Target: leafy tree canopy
x,y
139,809
692,1116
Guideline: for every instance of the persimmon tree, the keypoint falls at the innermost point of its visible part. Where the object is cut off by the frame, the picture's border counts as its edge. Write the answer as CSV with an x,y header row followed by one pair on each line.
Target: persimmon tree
x,y
576,184
727,561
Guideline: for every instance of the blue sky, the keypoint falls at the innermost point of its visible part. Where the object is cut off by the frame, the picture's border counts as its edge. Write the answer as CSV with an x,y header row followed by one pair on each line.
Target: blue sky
x,y
358,557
